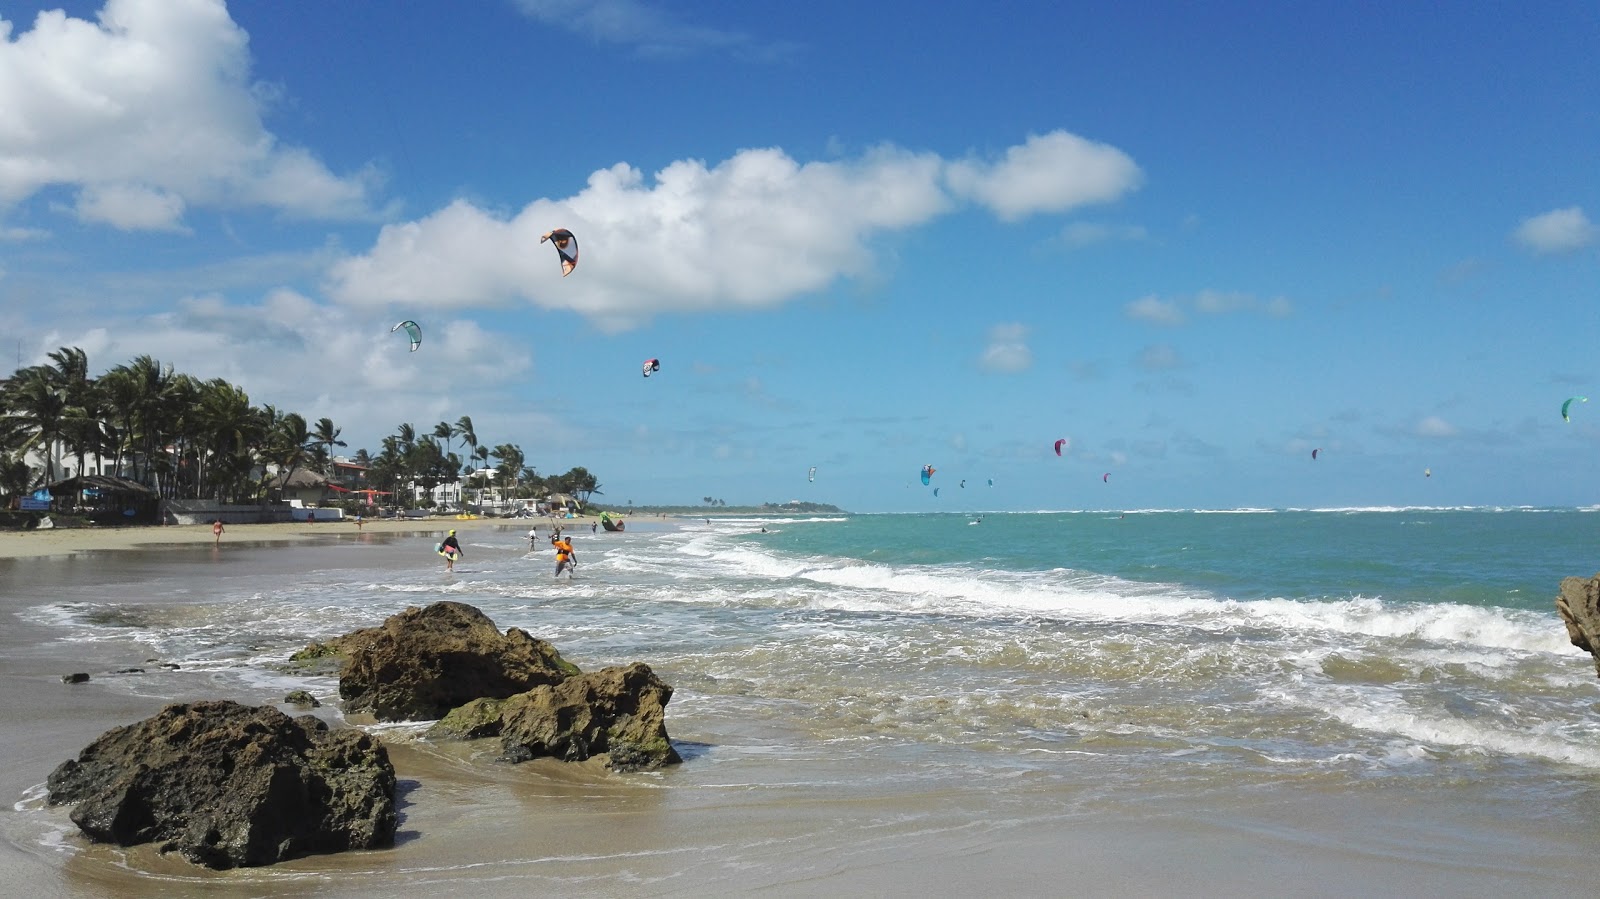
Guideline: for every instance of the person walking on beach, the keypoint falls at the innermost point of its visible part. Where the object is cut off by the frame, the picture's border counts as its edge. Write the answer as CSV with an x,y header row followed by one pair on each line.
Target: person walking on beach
x,y
594,527
358,521
566,559
451,550
216,531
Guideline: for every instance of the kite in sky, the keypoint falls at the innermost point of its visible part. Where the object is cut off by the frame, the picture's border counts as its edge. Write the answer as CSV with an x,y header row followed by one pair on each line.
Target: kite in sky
x,y
1568,405
413,330
651,366
566,247
1065,441
927,474
1105,478
1314,453
812,474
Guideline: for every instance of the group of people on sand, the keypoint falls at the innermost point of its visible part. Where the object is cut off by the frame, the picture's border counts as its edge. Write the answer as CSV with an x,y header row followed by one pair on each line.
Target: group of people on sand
x,y
566,558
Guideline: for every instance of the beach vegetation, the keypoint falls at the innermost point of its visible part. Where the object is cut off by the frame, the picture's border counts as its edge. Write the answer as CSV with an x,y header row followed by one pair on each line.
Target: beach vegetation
x,y
193,439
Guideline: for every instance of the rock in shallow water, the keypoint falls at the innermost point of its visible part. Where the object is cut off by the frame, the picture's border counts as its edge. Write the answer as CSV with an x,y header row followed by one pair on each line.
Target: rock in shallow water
x,y
1579,605
421,663
230,785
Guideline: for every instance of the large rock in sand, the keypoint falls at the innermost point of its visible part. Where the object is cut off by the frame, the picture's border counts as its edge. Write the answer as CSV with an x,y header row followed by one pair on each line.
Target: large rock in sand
x,y
422,663
1579,605
616,714
230,785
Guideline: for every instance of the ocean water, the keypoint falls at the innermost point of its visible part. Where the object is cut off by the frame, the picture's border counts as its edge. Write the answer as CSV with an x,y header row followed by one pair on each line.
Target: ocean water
x,y
962,680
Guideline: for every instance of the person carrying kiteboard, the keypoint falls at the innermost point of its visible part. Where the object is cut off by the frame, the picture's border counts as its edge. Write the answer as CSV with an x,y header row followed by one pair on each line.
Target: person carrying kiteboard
x,y
451,550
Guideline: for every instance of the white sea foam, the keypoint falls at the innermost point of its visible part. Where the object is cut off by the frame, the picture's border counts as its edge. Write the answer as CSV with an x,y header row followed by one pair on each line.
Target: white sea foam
x,y
1432,729
1068,594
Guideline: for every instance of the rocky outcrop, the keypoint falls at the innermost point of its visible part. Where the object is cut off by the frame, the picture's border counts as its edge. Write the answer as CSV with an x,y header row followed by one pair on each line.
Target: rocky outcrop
x,y
424,662
229,785
478,718
618,713
1579,605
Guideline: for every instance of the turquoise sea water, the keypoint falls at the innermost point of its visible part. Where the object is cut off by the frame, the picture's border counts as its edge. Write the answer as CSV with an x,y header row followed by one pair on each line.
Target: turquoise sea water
x,y
1125,664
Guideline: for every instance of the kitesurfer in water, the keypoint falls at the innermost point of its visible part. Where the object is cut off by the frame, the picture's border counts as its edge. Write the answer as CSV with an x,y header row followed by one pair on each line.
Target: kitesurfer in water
x,y
566,559
451,549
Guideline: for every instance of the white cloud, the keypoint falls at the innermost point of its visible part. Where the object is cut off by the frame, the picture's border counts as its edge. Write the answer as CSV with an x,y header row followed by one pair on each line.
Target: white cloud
x,y
1556,231
146,112
1047,173
753,231
131,207
1007,350
1434,427
1155,310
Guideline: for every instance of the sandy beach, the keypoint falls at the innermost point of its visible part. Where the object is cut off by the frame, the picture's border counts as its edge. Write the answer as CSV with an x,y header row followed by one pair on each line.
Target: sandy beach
x,y
65,541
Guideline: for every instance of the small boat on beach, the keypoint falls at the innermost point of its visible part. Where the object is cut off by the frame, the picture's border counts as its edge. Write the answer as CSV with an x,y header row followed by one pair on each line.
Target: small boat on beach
x,y
608,524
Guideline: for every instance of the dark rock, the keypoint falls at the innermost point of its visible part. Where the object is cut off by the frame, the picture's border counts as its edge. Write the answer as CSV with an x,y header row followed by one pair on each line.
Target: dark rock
x,y
128,671
230,785
1579,605
301,697
77,677
422,663
617,712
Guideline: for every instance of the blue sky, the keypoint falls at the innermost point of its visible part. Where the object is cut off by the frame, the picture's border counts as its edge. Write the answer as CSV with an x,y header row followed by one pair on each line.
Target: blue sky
x,y
1197,240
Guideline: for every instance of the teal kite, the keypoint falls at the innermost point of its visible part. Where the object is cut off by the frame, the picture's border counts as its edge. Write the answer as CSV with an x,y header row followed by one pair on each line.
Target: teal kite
x,y
413,330
1568,405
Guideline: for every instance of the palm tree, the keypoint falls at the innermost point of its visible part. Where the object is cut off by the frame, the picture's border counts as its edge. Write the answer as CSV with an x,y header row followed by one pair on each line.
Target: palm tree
x,y
288,444
227,431
481,454
327,436
81,431
147,415
40,408
510,467
463,429
579,481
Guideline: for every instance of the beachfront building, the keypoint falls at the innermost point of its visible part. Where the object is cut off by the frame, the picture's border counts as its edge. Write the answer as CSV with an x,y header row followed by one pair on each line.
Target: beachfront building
x,y
303,486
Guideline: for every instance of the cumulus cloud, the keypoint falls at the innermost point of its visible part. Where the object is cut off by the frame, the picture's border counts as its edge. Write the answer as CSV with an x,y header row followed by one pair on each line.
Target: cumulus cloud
x,y
753,231
149,111
1007,350
1556,231
1047,173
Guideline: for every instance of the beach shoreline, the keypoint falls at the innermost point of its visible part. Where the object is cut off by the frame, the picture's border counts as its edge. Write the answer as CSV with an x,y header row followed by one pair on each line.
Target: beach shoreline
x,y
68,541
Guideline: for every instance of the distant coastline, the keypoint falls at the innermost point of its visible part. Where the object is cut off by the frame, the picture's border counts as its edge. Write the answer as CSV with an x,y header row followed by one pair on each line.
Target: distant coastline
x,y
723,511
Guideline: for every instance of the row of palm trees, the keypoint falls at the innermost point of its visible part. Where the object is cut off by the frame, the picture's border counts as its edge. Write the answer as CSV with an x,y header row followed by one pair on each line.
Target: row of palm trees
x,y
203,439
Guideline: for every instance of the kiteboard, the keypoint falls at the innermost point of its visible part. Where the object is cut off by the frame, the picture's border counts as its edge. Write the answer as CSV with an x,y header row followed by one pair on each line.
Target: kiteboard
x,y
448,554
